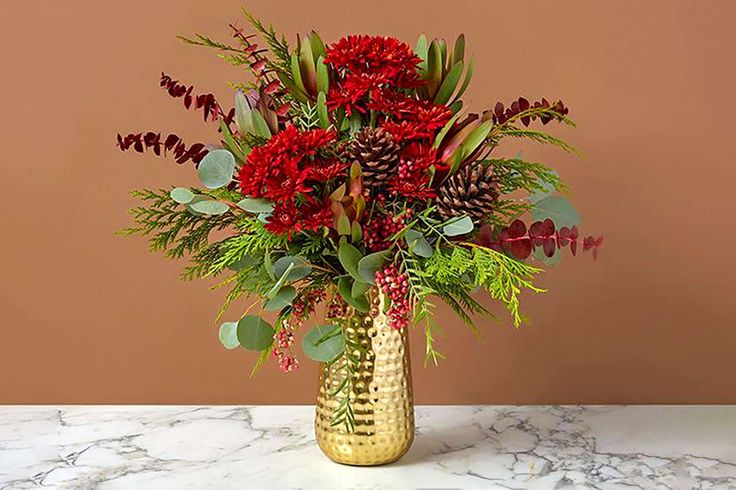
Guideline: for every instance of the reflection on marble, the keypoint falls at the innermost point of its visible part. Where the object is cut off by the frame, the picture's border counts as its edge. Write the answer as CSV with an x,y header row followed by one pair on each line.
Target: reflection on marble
x,y
457,447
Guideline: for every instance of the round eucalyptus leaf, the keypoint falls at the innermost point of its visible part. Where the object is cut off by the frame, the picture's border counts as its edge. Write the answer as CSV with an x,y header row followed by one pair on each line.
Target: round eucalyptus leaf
x,y
182,195
254,333
457,227
216,169
345,288
229,335
558,209
418,245
243,262
281,299
349,257
196,199
253,205
300,270
210,207
324,343
368,265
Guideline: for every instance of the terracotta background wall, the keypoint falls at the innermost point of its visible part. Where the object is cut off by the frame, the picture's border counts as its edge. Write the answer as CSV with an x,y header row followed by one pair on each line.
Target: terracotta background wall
x,y
90,318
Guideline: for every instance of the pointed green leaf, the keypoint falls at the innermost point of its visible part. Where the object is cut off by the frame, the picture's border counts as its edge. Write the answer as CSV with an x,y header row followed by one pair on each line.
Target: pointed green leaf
x,y
317,45
476,138
229,335
349,257
308,67
324,118
280,282
343,225
356,232
434,68
296,72
458,227
323,77
458,53
371,263
181,195
421,50
324,343
449,84
216,169
254,333
292,87
255,205
243,113
443,132
468,76
282,299
260,126
231,144
456,106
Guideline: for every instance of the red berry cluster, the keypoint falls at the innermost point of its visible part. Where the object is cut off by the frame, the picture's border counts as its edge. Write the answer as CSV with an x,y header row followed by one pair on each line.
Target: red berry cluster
x,y
336,308
284,339
305,305
378,231
396,287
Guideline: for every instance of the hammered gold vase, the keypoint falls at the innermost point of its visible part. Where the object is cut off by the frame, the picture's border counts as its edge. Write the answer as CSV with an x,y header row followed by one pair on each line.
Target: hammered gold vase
x,y
380,392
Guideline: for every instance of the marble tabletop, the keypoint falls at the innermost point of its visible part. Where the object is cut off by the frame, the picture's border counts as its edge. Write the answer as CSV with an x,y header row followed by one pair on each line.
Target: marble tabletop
x,y
457,447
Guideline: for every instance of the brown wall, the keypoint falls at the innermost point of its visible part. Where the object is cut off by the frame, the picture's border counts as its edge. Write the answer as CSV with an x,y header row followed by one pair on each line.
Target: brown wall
x,y
90,318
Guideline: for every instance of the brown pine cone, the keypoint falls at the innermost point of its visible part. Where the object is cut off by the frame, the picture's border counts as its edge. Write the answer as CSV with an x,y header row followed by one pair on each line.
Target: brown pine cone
x,y
376,152
472,191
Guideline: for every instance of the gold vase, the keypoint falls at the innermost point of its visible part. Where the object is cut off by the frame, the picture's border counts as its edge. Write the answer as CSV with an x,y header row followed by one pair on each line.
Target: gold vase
x,y
379,388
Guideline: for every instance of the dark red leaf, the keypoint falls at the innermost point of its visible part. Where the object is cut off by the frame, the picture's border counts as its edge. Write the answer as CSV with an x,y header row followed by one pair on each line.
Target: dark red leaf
x,y
549,247
517,229
521,249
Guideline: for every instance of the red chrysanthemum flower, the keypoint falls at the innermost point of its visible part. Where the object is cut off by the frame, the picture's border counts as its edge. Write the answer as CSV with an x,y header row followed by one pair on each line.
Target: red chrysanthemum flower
x,y
365,64
283,219
410,118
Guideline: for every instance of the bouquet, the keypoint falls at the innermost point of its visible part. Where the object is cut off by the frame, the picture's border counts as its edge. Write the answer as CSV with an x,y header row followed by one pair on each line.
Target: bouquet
x,y
350,171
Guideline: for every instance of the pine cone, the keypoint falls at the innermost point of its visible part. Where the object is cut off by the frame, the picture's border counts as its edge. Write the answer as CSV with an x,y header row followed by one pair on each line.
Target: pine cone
x,y
377,153
472,191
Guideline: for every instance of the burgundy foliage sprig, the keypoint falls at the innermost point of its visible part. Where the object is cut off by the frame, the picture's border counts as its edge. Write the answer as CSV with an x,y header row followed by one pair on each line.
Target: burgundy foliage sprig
x,y
171,144
502,114
519,241
207,102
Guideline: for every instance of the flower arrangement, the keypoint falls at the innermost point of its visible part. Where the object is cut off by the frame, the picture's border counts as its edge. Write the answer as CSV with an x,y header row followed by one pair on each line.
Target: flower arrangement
x,y
349,169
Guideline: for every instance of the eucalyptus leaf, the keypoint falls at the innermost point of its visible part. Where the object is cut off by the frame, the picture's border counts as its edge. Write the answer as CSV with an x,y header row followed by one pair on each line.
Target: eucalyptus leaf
x,y
418,244
349,257
368,265
243,262
255,205
345,288
216,169
546,189
182,195
359,289
229,335
254,333
558,209
324,343
458,227
197,198
299,270
280,282
281,299
210,207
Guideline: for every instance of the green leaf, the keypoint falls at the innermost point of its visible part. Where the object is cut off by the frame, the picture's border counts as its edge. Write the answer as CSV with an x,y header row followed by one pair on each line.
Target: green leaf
x,y
434,68
343,225
458,227
255,205
547,188
197,198
231,144
345,288
243,113
280,282
281,299
449,84
317,45
296,72
458,53
421,50
476,137
356,232
324,343
371,263
349,257
418,244
260,127
216,169
558,209
210,207
324,118
468,76
229,335
359,289
443,132
181,195
254,333
243,262
323,77
299,267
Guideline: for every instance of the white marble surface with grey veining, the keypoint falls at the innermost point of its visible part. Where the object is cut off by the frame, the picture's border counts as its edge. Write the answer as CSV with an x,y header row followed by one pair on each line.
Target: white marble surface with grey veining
x,y
457,447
